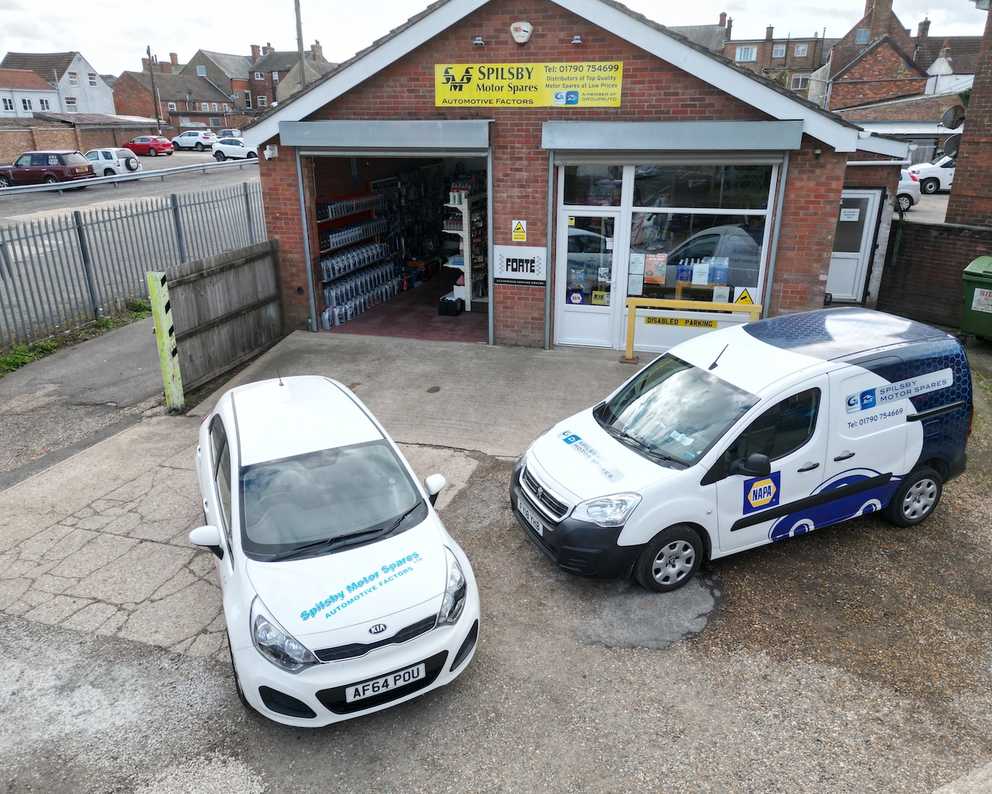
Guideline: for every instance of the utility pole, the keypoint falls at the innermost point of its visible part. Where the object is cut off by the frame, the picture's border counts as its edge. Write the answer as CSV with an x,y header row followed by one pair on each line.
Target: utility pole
x,y
299,47
151,71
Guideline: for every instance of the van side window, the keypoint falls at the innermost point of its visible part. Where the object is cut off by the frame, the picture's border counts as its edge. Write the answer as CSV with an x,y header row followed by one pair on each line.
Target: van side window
x,y
779,431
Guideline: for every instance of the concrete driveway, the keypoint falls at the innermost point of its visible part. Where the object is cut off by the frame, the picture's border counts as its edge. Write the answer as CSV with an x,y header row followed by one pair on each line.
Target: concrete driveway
x,y
855,659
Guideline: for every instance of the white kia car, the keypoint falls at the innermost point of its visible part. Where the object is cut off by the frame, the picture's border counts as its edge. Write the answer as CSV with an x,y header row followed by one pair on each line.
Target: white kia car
x,y
343,592
233,148
197,140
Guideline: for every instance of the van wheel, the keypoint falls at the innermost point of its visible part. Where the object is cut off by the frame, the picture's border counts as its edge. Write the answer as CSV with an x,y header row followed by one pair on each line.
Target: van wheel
x,y
237,680
670,560
916,497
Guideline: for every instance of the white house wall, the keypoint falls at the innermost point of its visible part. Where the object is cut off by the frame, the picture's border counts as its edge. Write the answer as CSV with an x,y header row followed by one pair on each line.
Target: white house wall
x,y
89,99
18,94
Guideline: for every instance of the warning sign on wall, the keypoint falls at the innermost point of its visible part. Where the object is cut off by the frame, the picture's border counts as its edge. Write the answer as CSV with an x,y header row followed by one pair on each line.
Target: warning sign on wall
x,y
519,231
742,295
587,84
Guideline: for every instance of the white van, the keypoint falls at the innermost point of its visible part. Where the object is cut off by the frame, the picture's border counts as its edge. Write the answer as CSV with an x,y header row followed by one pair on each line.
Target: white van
x,y
749,435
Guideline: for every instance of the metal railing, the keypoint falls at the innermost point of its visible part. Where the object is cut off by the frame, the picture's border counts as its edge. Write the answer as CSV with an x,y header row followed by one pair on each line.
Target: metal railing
x,y
161,173
59,273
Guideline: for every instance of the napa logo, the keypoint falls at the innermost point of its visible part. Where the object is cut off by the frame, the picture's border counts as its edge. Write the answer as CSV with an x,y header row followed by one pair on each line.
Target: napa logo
x,y
762,492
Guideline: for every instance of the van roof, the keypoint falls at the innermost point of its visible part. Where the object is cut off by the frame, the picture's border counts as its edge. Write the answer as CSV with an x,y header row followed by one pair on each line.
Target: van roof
x,y
840,334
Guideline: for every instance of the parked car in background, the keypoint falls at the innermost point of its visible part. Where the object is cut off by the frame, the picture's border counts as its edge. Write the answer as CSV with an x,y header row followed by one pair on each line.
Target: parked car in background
x,y
229,134
234,148
937,175
908,192
150,145
36,168
111,162
199,140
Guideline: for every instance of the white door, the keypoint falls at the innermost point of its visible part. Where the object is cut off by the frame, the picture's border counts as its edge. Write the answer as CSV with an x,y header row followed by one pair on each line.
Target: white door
x,y
586,277
853,242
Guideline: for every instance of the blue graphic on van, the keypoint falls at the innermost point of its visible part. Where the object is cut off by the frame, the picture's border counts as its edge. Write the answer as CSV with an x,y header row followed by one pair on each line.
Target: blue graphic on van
x,y
840,508
762,492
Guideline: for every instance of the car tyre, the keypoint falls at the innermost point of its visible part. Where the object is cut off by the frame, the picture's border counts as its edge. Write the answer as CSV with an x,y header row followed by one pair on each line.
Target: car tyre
x,y
220,157
916,497
198,146
904,202
4,182
237,679
152,152
49,180
108,172
131,164
670,560
250,156
930,186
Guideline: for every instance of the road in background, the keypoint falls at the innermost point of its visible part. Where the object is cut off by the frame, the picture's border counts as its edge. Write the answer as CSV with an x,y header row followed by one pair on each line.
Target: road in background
x,y
931,209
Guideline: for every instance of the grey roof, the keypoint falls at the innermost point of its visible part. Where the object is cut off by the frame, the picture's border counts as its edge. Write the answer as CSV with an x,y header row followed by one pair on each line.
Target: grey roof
x,y
964,51
712,37
41,63
172,87
281,60
234,66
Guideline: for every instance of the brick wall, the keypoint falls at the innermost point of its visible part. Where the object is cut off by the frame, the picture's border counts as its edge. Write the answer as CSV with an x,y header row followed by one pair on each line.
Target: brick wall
x,y
923,109
652,90
14,142
131,98
922,277
971,199
887,178
882,74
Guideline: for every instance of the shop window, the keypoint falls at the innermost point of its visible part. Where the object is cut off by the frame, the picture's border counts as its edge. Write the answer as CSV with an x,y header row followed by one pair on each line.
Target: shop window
x,y
739,187
687,256
593,185
778,51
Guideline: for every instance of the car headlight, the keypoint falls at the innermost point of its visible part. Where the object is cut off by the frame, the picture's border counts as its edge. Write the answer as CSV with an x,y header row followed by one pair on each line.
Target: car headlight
x,y
276,644
455,591
608,511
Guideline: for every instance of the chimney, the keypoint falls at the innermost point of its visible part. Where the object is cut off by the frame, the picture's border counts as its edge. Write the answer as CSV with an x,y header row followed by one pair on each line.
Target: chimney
x,y
769,33
945,52
723,19
869,4
881,17
144,64
268,48
255,53
316,51
174,58
730,27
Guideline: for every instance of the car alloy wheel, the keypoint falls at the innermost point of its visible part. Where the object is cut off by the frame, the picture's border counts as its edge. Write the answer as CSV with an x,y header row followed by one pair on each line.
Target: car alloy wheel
x,y
220,157
50,180
199,146
152,152
905,203
108,172
930,186
4,182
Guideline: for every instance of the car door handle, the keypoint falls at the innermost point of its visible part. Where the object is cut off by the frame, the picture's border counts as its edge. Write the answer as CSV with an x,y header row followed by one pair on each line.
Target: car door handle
x,y
844,455
808,466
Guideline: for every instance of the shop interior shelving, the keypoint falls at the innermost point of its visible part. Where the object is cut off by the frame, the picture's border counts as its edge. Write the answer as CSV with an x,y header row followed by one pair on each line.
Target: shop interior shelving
x,y
473,250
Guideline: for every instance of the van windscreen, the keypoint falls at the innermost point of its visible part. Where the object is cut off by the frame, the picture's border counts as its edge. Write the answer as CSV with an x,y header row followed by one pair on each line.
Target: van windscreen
x,y
673,412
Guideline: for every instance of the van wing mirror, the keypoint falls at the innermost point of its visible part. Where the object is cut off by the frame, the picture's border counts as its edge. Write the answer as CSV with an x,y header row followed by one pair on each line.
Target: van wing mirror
x,y
754,465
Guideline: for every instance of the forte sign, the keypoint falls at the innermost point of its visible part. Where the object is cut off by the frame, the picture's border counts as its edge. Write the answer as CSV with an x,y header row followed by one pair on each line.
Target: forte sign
x,y
519,263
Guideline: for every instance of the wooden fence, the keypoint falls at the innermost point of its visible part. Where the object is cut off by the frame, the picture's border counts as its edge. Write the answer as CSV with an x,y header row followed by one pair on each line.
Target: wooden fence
x,y
225,310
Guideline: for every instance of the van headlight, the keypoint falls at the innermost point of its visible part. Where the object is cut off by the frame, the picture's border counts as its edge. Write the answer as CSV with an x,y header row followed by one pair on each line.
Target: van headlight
x,y
276,644
607,511
455,591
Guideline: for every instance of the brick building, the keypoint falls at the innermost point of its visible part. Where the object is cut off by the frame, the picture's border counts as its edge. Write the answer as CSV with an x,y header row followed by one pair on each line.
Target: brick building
x,y
620,160
268,70
227,72
183,101
789,61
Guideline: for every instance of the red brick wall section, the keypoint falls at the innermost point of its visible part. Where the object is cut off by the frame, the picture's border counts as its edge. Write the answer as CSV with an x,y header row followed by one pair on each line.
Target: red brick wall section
x,y
922,277
652,90
971,199
131,98
923,109
14,142
882,74
812,195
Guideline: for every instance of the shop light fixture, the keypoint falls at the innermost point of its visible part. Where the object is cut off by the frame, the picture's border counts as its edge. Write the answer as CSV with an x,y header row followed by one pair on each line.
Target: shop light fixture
x,y
576,39
478,41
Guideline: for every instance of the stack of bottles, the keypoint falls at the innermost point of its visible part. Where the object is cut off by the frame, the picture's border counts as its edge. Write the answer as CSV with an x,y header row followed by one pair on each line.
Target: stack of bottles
x,y
345,207
352,234
350,296
340,264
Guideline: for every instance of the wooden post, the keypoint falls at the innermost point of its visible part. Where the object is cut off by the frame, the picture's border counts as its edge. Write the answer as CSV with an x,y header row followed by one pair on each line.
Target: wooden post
x,y
165,340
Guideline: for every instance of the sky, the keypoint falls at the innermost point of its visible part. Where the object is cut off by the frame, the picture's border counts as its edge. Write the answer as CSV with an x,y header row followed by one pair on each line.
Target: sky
x,y
345,27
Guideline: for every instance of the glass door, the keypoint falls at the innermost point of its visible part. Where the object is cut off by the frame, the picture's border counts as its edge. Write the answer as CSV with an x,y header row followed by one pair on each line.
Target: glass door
x,y
586,277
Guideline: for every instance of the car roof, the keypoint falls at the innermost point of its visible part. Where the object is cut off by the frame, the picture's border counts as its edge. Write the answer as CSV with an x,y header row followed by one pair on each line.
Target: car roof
x,y
285,417
51,151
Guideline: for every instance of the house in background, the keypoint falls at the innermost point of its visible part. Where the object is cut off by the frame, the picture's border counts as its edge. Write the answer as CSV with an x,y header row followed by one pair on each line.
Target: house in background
x,y
227,72
712,37
184,101
23,93
289,84
79,87
789,61
270,70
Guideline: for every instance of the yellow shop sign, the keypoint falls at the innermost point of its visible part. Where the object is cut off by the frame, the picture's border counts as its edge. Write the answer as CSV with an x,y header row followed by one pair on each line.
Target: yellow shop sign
x,y
589,84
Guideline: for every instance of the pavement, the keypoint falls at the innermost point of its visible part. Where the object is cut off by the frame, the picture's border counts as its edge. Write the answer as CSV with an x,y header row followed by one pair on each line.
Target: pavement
x,y
35,206
931,209
857,658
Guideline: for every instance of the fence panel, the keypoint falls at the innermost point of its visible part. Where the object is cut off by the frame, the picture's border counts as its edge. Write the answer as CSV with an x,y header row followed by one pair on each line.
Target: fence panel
x,y
62,272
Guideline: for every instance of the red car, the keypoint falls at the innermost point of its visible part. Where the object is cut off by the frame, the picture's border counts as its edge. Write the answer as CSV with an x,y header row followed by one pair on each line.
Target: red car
x,y
150,145
35,168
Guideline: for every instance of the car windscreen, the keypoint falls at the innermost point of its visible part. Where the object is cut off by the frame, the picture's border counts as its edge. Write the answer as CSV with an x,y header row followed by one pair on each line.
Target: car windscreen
x,y
322,501
672,412
74,158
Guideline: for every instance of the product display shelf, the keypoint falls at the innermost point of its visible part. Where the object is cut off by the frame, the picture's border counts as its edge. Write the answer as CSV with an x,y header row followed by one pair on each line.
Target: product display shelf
x,y
385,257
342,208
471,246
352,235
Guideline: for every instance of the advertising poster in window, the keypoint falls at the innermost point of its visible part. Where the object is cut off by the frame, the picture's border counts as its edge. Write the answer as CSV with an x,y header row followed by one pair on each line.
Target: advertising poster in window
x,y
655,268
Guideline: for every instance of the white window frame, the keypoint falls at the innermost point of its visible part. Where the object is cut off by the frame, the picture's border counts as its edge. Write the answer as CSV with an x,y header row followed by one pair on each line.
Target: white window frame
x,y
227,108
73,78
258,76
801,86
26,103
261,101
778,50
201,70
746,54
91,78
172,107
44,104
275,77
8,103
800,50
248,104
214,107
205,107
71,101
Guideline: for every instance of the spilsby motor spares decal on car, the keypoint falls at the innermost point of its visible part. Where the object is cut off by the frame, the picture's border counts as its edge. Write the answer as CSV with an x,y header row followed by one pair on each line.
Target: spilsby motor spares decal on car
x,y
913,387
590,453
363,586
762,492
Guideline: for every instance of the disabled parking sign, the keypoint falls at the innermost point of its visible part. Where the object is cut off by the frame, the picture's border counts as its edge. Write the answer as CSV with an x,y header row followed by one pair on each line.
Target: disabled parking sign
x,y
762,492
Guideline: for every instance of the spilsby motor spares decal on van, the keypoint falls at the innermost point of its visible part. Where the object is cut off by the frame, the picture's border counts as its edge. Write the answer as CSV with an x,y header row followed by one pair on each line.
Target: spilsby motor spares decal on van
x,y
913,387
358,588
761,493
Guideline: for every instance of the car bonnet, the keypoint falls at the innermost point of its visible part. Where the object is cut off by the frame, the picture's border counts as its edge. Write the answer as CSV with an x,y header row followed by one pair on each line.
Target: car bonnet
x,y
338,592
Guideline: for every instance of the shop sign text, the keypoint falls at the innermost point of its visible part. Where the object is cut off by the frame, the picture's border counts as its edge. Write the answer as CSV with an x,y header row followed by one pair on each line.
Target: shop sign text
x,y
586,84
519,263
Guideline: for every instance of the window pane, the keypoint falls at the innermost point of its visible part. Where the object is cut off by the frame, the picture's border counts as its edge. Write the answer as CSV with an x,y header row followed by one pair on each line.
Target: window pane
x,y
694,257
742,187
850,224
593,185
224,487
780,430
590,261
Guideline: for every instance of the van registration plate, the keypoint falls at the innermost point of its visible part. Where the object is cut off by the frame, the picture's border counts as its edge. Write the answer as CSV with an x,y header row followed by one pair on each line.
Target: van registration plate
x,y
384,683
530,516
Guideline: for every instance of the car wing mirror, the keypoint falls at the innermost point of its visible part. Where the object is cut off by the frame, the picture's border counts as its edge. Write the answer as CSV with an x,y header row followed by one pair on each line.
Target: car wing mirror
x,y
435,484
207,537
754,465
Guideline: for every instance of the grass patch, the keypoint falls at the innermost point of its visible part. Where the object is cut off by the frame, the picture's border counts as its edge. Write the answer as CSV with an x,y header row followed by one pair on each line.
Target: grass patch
x,y
21,355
